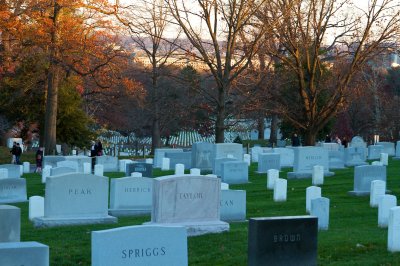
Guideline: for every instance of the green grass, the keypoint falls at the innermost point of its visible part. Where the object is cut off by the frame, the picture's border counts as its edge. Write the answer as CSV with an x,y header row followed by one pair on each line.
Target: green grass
x,y
353,237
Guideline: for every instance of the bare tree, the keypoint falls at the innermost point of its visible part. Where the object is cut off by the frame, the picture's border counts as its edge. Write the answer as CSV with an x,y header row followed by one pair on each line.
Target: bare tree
x,y
215,29
324,67
148,23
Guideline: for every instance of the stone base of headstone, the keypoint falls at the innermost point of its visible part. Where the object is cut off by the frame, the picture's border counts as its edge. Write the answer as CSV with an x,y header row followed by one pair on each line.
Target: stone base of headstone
x,y
198,228
356,163
55,222
300,175
128,212
24,253
363,193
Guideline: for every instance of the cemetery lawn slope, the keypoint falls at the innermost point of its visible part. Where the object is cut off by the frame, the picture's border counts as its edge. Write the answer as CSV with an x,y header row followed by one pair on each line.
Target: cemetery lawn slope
x,y
353,238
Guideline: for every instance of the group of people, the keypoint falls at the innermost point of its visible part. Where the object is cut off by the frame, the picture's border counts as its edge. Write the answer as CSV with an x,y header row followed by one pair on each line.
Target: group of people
x,y
337,140
96,149
16,152
344,141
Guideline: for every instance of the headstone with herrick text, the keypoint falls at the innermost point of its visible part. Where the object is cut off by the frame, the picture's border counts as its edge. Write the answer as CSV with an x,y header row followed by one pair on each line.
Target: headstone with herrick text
x,y
140,245
74,199
131,196
287,240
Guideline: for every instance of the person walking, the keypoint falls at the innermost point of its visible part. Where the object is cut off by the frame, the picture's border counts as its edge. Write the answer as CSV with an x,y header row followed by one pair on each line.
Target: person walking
x,y
13,151
99,148
39,159
295,140
18,152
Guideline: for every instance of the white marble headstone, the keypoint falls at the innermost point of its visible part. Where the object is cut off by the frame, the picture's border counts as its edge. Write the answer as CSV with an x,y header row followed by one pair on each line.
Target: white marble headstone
x,y
280,190
10,223
87,168
312,192
45,173
179,169
384,158
136,174
272,176
318,175
378,189
394,230
195,171
386,202
24,253
320,209
36,207
26,166
99,170
3,173
165,164
140,245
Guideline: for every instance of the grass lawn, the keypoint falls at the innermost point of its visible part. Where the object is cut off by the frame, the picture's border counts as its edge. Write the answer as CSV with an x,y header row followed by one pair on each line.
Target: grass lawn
x,y
353,238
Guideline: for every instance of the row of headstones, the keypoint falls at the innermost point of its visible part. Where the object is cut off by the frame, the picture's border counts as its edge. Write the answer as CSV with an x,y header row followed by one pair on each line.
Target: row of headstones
x,y
131,196
315,204
83,198
388,213
167,245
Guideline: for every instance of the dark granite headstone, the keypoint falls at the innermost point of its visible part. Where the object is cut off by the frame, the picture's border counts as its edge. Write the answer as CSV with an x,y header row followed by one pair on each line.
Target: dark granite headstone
x,y
145,168
286,240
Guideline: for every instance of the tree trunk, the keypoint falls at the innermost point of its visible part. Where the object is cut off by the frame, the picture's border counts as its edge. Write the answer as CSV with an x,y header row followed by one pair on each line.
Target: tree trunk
x,y
260,127
155,135
220,121
53,80
310,137
273,138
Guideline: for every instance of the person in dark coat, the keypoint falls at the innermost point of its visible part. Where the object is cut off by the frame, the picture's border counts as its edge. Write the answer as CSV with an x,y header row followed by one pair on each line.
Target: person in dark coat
x,y
13,151
18,152
295,140
39,160
99,148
